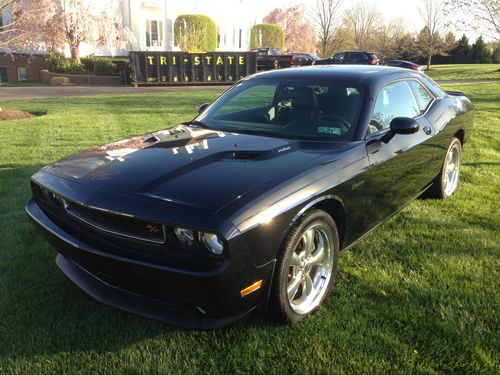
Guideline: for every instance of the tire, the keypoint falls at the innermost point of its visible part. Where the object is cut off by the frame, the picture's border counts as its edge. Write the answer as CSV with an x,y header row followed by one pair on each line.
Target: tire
x,y
448,179
304,275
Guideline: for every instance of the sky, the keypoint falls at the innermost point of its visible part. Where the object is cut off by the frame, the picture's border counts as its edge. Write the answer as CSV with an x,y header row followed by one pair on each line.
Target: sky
x,y
406,9
390,9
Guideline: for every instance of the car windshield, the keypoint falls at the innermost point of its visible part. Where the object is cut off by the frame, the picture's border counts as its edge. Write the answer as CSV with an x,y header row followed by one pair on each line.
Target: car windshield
x,y
300,109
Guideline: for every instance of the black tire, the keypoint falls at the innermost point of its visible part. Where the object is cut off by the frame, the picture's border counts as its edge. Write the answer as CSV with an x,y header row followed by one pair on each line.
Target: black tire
x,y
439,188
279,302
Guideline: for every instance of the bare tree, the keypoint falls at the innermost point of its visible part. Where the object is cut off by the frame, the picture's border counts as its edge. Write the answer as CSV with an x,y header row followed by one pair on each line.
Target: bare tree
x,y
432,13
476,15
364,19
328,20
386,38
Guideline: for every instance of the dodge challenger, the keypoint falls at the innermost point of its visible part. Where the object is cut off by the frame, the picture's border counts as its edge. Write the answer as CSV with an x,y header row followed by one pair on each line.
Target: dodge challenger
x,y
249,204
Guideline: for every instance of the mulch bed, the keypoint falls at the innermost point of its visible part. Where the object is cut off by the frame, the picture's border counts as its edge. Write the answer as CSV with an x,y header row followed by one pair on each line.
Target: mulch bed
x,y
11,114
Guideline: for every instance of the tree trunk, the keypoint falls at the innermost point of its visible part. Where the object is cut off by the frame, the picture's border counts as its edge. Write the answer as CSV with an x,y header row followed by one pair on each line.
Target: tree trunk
x,y
429,61
75,53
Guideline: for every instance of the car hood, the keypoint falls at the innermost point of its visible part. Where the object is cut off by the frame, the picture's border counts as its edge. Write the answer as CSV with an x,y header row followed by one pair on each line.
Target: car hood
x,y
197,169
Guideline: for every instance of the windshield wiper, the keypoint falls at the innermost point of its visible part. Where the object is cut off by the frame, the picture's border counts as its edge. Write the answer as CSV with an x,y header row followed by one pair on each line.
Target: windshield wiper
x,y
200,124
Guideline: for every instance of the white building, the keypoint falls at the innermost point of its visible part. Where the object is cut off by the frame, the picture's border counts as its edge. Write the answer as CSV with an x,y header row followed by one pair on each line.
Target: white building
x,y
152,22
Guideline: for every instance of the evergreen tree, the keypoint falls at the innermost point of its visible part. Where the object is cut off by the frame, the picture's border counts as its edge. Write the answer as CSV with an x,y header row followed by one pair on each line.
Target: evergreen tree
x,y
479,52
460,54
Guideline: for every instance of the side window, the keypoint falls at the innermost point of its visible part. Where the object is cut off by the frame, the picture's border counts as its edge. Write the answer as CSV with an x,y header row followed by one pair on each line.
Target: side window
x,y
393,100
421,94
338,57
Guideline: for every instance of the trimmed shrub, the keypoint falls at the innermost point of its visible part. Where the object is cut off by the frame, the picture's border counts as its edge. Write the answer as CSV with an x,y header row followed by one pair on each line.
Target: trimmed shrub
x,y
104,67
195,33
59,64
267,36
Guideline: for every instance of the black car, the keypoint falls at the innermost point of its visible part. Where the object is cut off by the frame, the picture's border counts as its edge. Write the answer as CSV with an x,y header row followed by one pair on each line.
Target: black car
x,y
404,64
249,204
357,58
303,59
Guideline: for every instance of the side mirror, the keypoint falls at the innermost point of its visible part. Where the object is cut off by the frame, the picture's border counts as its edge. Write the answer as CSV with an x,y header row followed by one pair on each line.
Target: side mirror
x,y
404,125
202,107
401,125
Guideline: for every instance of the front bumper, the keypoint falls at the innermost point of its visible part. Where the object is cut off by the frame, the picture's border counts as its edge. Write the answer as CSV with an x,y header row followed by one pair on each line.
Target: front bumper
x,y
200,300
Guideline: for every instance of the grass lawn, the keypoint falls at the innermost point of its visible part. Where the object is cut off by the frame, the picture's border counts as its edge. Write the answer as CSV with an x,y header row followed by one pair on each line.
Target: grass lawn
x,y
23,83
464,71
419,295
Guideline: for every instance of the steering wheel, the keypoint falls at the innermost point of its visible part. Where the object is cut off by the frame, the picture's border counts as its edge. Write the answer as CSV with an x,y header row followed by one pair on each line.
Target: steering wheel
x,y
344,125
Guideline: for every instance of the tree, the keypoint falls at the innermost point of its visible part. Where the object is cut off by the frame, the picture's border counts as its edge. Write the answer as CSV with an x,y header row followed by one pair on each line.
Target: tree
x,y
327,18
300,35
195,33
461,51
17,14
479,52
267,35
476,15
61,23
365,19
386,39
406,48
429,40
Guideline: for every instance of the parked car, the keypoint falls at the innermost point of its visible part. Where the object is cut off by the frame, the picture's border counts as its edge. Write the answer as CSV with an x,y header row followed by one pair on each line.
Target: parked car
x,y
404,64
358,58
274,58
250,204
303,59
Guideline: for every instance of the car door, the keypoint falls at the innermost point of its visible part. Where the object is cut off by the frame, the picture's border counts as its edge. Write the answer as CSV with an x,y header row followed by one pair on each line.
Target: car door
x,y
399,169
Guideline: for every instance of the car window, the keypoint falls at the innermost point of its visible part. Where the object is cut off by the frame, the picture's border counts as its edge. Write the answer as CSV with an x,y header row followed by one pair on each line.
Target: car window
x,y
257,96
358,56
421,94
338,57
301,109
393,100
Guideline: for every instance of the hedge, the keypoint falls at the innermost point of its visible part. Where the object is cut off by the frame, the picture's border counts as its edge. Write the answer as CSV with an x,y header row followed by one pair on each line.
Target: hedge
x,y
267,35
195,33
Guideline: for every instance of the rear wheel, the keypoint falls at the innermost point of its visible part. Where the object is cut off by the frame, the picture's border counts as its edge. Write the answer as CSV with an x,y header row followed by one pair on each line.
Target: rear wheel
x,y
307,267
447,181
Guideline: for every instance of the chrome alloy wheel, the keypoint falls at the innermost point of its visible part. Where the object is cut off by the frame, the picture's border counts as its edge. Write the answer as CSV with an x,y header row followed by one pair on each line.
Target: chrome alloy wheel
x,y
451,170
310,268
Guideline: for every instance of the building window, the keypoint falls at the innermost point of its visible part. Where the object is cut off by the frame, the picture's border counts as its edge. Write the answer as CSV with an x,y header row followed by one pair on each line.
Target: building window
x,y
22,73
239,40
3,74
154,33
218,37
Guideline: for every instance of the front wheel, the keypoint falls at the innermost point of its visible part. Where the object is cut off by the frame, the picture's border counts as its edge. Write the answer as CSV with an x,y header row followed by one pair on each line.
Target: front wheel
x,y
447,181
307,267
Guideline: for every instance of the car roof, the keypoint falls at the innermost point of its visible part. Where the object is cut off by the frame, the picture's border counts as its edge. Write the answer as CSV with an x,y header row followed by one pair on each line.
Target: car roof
x,y
403,61
359,74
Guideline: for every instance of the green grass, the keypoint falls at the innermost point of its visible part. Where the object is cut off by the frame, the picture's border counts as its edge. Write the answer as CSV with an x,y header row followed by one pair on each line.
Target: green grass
x,y
23,84
420,295
464,71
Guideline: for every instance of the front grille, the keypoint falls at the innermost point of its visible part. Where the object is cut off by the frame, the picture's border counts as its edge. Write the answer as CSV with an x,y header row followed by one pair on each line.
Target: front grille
x,y
117,224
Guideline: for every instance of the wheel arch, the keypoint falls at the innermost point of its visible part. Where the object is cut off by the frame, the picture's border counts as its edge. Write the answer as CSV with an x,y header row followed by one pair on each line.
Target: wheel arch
x,y
333,206
460,135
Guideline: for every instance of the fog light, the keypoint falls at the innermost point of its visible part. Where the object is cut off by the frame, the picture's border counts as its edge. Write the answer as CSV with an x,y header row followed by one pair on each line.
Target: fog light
x,y
212,242
185,236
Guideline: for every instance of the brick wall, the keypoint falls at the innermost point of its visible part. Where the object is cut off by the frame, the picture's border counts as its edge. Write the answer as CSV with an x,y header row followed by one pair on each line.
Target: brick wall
x,y
32,63
78,79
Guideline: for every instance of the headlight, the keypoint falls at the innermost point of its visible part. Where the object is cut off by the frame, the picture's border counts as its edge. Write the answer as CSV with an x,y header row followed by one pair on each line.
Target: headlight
x,y
185,236
212,242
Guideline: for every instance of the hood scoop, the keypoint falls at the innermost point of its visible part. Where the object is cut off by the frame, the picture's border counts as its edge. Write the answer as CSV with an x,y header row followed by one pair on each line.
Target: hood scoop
x,y
245,155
